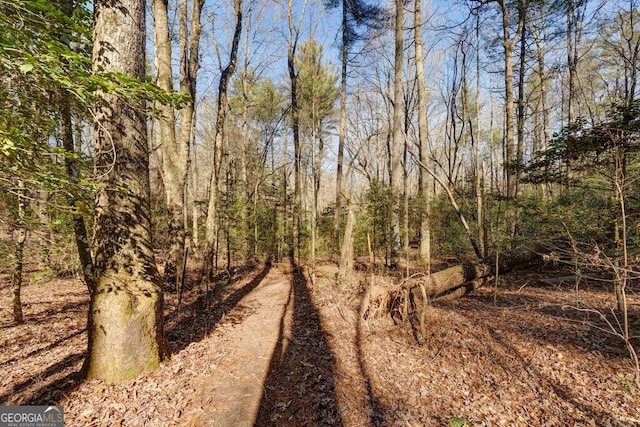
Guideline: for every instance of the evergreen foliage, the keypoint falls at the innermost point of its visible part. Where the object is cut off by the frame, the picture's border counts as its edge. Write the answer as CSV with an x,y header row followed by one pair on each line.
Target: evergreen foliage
x,y
582,159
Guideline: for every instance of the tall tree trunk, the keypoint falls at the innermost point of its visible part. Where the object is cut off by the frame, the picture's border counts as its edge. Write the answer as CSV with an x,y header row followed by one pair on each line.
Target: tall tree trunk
x,y
621,270
125,325
478,163
16,277
294,34
172,154
244,184
211,230
539,38
508,44
576,10
189,64
318,173
315,174
346,251
195,210
48,237
423,133
343,121
398,137
285,233
537,30
173,163
80,230
175,147
521,102
571,59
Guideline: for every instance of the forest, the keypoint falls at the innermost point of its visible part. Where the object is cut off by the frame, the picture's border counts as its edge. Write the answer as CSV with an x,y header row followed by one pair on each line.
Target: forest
x,y
321,212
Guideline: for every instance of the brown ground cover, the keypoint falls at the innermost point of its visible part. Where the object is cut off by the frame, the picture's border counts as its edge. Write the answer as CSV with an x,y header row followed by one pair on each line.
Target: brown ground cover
x,y
528,358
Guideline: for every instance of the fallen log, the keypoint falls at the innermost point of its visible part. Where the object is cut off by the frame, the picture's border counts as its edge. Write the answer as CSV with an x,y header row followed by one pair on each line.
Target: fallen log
x,y
448,279
446,282
413,297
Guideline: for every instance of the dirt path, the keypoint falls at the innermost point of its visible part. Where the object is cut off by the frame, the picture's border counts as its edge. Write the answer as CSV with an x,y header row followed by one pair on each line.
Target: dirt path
x,y
248,350
233,391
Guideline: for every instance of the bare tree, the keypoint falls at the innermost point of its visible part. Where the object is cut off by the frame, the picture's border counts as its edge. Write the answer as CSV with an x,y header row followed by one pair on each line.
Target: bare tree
x,y
521,106
423,133
508,43
292,46
398,134
216,154
356,14
174,165
478,162
575,11
538,33
83,244
175,146
509,39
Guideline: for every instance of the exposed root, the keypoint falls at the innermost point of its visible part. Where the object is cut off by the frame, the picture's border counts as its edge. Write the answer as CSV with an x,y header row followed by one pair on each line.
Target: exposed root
x,y
375,302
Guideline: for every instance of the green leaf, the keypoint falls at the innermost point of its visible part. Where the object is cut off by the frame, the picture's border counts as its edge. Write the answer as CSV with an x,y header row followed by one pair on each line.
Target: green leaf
x,y
7,146
26,68
458,422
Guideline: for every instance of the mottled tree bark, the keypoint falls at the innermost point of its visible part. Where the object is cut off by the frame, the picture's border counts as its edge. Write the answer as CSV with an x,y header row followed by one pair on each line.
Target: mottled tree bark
x,y
175,146
174,155
125,327
189,65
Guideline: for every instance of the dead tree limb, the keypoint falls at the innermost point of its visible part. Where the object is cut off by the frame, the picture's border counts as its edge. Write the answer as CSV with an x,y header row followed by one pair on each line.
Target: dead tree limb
x,y
455,206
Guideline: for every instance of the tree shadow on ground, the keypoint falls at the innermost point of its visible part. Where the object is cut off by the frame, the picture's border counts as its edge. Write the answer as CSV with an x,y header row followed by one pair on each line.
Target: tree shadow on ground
x,y
300,388
46,316
375,407
42,357
581,327
47,387
543,316
544,383
198,318
47,347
